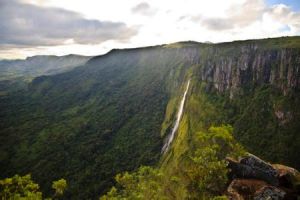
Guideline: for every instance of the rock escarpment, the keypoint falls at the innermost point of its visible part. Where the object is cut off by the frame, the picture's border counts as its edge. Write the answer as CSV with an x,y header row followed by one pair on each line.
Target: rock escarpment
x,y
258,84
253,178
246,66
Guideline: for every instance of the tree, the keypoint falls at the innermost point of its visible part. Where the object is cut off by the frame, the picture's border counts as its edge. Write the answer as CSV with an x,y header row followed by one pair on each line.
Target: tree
x,y
19,187
23,188
146,183
59,186
208,172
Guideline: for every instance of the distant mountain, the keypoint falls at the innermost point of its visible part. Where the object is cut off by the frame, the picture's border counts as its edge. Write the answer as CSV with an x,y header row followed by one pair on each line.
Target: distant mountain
x,y
39,65
114,113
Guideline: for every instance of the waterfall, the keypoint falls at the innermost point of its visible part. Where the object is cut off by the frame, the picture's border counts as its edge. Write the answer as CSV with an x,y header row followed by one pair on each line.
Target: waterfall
x,y
175,128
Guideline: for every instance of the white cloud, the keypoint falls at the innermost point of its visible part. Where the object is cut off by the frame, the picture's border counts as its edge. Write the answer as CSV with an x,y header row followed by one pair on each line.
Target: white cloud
x,y
30,25
284,16
143,8
176,20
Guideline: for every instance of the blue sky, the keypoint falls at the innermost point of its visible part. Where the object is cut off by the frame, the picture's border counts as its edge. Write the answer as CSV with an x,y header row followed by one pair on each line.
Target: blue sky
x,y
294,4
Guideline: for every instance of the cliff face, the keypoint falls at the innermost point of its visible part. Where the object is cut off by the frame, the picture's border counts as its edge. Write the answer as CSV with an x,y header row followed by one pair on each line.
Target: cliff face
x,y
252,85
229,67
256,86
250,65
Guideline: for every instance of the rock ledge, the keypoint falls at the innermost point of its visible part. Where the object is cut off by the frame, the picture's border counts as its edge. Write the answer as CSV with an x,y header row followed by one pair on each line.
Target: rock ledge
x,y
253,178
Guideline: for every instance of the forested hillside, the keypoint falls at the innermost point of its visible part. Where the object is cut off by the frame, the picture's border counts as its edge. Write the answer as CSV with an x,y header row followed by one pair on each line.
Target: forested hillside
x,y
16,74
35,66
113,113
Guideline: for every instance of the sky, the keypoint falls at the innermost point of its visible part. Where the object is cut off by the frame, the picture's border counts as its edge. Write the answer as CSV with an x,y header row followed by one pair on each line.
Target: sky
x,y
94,27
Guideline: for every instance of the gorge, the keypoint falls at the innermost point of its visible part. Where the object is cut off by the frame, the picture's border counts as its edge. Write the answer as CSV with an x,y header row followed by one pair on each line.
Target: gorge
x,y
113,112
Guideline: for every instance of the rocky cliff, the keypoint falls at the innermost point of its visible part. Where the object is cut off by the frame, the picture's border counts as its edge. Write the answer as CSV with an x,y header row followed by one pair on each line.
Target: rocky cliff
x,y
256,84
230,69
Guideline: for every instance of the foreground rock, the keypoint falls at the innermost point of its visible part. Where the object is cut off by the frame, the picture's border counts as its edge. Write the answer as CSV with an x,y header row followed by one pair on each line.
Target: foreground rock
x,y
253,178
288,177
241,189
253,168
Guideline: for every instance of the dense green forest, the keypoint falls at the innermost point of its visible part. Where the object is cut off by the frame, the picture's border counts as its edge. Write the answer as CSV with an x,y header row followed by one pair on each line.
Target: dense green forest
x,y
34,66
22,187
205,172
113,113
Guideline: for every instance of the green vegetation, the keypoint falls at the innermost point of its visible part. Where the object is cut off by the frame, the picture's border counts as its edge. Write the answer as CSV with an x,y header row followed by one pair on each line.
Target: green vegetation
x,y
146,183
208,172
16,74
199,147
23,188
91,123
112,114
36,66
205,176
272,121
59,187
269,43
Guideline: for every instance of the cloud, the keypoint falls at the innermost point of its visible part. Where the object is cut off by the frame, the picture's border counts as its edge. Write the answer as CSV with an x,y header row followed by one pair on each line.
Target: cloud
x,y
242,15
157,22
237,16
31,25
213,23
283,14
143,8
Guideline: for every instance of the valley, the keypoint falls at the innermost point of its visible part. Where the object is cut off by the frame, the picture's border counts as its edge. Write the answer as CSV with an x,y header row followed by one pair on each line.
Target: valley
x,y
112,113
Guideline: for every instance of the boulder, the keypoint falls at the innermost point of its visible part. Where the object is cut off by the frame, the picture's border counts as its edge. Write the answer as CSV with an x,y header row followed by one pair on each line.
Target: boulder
x,y
240,189
253,178
288,177
246,189
269,192
252,171
257,163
